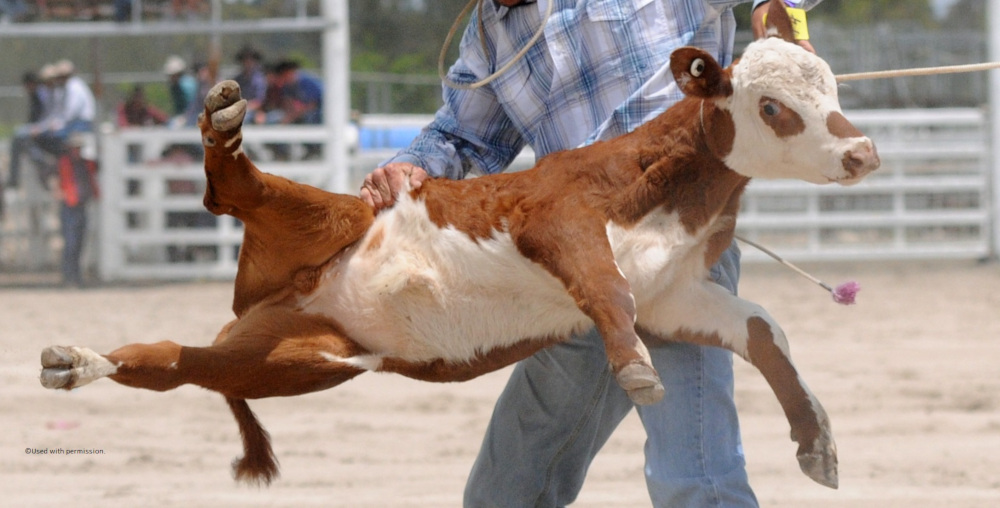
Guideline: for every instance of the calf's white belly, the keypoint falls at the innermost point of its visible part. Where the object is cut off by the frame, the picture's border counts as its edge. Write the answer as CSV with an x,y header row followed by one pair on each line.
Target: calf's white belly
x,y
412,290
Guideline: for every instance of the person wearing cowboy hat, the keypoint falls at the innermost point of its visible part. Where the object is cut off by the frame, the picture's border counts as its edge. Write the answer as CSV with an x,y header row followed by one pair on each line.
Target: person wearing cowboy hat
x,y
183,88
72,108
251,78
77,177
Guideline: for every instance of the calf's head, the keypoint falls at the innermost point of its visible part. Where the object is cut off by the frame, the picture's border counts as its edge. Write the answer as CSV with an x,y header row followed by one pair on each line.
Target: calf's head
x,y
775,113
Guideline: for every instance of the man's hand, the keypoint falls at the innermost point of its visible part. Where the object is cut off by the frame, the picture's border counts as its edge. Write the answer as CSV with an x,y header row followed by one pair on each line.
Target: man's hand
x,y
384,184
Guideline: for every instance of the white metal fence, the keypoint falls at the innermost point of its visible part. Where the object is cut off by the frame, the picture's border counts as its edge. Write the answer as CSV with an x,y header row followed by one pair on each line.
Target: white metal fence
x,y
153,224
930,199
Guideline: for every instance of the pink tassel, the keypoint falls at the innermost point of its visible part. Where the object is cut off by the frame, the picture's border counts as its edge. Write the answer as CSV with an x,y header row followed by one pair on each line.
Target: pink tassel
x,y
844,294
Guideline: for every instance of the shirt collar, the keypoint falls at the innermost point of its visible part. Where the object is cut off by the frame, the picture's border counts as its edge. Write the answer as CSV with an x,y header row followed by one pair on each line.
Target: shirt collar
x,y
502,10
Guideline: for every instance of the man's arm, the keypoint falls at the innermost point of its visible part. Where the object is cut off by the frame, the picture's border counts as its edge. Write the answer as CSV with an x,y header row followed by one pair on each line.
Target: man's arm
x,y
471,130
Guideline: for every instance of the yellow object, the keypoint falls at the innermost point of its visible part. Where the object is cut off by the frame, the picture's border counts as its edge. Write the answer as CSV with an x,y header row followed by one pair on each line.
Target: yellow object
x,y
799,26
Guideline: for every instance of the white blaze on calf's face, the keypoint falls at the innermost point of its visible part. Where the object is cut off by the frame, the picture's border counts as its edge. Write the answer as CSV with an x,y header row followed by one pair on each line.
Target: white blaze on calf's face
x,y
787,118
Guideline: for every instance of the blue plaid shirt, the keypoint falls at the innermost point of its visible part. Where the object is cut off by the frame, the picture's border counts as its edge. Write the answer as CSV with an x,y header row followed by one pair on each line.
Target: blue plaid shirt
x,y
600,70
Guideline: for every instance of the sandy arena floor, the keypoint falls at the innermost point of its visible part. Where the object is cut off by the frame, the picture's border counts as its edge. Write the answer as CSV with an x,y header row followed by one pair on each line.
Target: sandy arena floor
x,y
909,376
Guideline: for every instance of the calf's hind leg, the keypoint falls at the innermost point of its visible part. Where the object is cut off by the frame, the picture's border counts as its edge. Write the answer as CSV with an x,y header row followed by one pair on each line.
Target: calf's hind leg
x,y
271,352
290,229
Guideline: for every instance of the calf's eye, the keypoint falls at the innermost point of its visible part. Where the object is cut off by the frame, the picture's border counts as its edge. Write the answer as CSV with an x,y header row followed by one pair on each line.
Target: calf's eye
x,y
771,108
697,67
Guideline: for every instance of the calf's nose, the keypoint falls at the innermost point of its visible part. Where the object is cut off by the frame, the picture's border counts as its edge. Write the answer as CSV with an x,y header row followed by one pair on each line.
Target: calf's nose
x,y
861,160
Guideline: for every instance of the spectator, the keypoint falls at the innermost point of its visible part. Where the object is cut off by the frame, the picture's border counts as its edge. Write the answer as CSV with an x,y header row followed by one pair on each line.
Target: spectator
x,y
71,109
189,9
204,81
183,88
40,106
303,102
77,186
12,10
270,110
303,97
123,10
251,78
136,111
75,106
38,95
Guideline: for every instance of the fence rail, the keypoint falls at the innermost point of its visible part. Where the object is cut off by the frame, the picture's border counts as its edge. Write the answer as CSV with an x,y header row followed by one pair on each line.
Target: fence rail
x,y
930,199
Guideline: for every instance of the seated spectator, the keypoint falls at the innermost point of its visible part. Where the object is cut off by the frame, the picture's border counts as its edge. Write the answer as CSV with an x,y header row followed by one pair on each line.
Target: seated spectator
x,y
183,89
293,96
12,10
136,111
188,9
251,78
303,101
204,83
71,110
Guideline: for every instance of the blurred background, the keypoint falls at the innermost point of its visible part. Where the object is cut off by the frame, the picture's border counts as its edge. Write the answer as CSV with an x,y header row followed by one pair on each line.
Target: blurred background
x,y
373,67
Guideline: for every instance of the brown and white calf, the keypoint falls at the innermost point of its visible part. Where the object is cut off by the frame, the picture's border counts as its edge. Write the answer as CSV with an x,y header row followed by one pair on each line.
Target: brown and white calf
x,y
460,278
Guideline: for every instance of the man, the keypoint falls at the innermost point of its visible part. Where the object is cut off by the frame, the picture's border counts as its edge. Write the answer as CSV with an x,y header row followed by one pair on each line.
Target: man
x,y
251,78
71,109
183,89
77,186
303,94
601,70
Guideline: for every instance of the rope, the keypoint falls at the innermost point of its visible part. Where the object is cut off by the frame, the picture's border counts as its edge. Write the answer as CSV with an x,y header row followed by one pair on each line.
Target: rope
x,y
920,71
488,79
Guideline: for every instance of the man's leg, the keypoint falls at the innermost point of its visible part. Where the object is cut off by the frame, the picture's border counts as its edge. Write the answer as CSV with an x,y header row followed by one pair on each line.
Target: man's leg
x,y
19,145
561,405
694,457
73,224
558,409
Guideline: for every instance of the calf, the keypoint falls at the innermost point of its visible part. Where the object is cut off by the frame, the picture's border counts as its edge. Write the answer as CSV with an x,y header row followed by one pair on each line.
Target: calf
x,y
461,278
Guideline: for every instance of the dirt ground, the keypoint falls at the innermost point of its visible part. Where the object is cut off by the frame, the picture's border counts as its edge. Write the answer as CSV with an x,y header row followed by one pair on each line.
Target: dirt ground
x,y
909,376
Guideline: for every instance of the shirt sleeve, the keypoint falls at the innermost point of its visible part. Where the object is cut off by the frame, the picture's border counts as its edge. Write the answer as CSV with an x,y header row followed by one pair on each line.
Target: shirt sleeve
x,y
471,130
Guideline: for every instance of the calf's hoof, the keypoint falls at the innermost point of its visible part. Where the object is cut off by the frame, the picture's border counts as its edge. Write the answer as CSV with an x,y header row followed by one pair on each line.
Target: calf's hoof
x,y
820,464
226,107
57,368
642,383
69,367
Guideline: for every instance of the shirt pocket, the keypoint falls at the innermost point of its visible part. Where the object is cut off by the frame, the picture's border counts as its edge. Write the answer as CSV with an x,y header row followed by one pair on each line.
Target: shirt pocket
x,y
614,10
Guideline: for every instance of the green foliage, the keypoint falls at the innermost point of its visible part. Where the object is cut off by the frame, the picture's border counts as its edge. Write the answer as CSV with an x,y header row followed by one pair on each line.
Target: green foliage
x,y
967,15
867,12
399,37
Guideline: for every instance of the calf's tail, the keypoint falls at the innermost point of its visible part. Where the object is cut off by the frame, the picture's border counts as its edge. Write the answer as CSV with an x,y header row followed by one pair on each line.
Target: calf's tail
x,y
258,465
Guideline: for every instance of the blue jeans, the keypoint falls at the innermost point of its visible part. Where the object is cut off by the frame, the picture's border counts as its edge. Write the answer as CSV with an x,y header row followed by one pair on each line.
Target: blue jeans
x,y
561,405
73,223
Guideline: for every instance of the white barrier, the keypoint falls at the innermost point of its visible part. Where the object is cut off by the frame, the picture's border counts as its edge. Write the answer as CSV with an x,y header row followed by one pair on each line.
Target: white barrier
x,y
930,199
153,224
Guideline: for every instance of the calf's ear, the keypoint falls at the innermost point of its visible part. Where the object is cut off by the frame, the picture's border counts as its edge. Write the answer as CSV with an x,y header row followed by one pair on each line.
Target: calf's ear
x,y
699,75
777,23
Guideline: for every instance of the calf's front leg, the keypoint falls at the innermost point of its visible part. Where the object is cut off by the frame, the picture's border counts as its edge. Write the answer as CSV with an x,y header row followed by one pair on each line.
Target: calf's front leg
x,y
707,314
592,278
